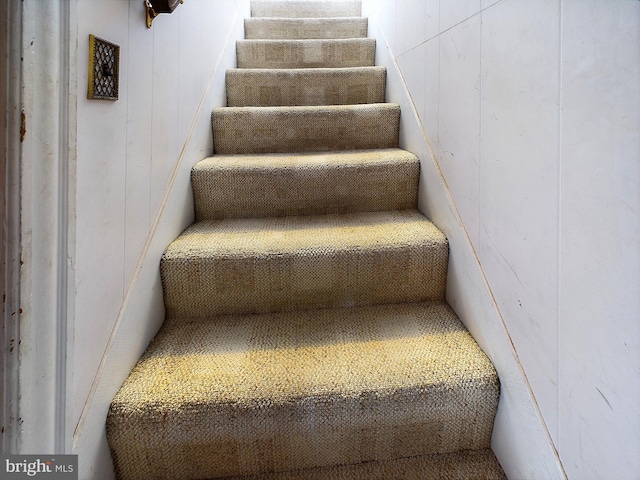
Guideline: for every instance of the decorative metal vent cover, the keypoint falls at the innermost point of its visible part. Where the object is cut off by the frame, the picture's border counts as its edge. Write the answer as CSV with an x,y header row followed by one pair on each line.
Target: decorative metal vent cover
x,y
104,60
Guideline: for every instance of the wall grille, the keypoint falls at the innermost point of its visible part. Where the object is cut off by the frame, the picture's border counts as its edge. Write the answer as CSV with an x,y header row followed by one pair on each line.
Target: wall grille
x,y
104,60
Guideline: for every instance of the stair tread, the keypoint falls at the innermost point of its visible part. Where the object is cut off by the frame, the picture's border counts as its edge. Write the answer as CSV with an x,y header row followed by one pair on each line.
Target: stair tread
x,y
305,53
305,128
306,8
247,360
304,389
305,160
259,265
298,28
306,72
234,186
300,110
347,42
462,465
365,231
305,86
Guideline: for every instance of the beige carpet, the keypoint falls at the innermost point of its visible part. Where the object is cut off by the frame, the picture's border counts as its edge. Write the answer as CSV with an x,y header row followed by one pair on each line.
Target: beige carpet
x,y
310,53
462,465
237,186
305,28
306,389
292,263
307,335
306,8
305,86
305,128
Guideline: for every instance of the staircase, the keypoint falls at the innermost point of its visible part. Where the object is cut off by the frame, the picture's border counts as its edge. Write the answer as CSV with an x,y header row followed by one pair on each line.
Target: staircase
x,y
307,334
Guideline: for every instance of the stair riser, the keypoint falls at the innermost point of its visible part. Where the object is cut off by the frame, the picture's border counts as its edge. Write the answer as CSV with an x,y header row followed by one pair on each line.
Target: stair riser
x,y
301,189
298,28
305,129
306,53
306,9
464,465
314,432
310,279
266,88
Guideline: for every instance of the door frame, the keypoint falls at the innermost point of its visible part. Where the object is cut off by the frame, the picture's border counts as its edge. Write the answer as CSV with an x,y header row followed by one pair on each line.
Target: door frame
x,y
38,165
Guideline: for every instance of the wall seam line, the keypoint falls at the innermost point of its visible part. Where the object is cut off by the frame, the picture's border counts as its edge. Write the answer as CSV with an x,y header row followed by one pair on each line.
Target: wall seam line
x,y
559,214
450,28
480,189
126,164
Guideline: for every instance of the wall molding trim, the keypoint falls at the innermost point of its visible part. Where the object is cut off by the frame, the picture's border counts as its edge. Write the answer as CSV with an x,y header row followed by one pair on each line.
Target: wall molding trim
x,y
42,64
10,133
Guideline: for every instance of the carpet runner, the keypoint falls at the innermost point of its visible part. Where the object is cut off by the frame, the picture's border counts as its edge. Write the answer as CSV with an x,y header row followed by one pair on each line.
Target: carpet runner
x,y
307,335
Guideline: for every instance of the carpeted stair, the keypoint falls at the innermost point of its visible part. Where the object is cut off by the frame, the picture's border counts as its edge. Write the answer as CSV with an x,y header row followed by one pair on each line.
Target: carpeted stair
x,y
307,334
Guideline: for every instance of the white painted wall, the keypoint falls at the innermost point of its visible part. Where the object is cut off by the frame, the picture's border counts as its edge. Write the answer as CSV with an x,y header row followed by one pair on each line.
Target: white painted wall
x,y
532,110
133,195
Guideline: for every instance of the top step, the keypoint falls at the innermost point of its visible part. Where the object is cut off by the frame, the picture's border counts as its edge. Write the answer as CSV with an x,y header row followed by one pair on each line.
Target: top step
x,y
301,28
306,8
